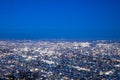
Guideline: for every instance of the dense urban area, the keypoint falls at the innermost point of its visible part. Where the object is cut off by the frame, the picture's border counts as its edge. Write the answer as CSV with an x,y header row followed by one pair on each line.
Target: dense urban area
x,y
59,60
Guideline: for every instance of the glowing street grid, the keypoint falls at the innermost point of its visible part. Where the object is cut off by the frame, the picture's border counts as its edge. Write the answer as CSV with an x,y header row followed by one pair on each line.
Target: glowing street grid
x,y
59,60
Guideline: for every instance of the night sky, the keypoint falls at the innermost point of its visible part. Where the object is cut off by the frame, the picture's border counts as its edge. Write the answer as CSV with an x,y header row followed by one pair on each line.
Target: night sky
x,y
60,19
